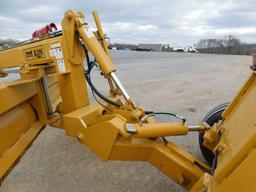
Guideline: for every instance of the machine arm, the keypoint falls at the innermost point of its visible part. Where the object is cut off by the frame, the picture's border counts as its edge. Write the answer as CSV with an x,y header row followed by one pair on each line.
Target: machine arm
x,y
122,134
52,71
101,53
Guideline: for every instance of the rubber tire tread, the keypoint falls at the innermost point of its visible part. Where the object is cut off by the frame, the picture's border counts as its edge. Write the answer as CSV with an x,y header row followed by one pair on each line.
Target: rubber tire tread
x,y
212,117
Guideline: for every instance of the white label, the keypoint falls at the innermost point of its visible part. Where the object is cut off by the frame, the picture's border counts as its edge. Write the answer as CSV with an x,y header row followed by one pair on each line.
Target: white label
x,y
56,51
89,32
56,44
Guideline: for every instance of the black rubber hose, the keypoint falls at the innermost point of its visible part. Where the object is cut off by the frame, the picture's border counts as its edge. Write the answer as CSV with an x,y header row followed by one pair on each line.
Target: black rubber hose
x,y
99,94
88,79
165,113
214,163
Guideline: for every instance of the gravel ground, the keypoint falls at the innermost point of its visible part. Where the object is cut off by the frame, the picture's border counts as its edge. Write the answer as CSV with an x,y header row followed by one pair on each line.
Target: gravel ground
x,y
188,84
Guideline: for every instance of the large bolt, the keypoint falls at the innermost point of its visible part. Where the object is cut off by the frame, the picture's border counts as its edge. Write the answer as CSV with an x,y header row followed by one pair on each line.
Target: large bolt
x,y
134,117
80,137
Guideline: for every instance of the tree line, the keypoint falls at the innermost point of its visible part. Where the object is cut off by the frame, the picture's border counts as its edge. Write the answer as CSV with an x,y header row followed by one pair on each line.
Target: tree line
x,y
5,43
227,45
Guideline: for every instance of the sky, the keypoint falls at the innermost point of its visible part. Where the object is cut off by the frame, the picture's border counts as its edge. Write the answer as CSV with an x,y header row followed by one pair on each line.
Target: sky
x,y
176,22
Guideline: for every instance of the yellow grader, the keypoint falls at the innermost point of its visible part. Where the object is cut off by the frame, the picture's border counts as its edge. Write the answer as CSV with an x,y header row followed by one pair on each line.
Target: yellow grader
x,y
53,90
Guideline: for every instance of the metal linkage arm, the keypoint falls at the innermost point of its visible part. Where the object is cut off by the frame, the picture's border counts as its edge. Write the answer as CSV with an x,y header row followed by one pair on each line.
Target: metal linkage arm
x,y
106,65
95,48
100,33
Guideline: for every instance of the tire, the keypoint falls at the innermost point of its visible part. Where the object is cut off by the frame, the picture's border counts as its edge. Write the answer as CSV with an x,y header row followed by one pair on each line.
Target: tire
x,y
211,118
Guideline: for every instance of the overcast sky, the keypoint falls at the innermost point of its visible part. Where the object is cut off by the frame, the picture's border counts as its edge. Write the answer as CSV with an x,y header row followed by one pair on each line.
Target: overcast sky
x,y
177,22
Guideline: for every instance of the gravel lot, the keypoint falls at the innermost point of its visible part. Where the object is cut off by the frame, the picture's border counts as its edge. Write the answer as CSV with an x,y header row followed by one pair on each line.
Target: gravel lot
x,y
188,84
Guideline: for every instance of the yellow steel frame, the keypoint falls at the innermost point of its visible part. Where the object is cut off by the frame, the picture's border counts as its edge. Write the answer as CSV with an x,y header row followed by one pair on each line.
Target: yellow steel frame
x,y
52,90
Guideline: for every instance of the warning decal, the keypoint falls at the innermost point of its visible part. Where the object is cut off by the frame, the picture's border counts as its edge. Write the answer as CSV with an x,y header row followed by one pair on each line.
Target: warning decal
x,y
56,51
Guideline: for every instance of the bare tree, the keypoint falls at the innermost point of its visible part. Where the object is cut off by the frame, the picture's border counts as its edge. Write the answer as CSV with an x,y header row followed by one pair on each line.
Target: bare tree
x,y
8,42
227,45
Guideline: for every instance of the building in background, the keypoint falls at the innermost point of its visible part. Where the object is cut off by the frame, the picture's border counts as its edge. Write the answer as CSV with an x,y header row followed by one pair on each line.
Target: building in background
x,y
154,47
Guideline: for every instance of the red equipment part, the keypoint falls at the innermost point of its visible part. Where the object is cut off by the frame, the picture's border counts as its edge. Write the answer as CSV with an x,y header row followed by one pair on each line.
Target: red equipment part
x,y
45,30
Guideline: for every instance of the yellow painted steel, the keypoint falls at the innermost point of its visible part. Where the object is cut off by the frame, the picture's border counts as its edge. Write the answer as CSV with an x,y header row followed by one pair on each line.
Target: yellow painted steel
x,y
100,33
52,77
205,183
14,57
148,130
12,95
72,83
116,144
98,52
11,156
22,114
238,133
170,159
242,178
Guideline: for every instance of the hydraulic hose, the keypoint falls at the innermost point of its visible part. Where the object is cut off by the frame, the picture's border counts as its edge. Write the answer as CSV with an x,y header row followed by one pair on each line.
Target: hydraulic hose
x,y
152,113
87,76
88,79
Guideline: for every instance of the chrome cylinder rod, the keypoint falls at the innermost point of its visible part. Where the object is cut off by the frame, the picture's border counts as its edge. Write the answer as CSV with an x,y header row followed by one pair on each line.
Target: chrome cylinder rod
x,y
195,128
122,89
120,86
47,95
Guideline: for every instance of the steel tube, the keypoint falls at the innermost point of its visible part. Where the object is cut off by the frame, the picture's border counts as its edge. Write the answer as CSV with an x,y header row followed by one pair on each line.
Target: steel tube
x,y
120,86
46,94
148,130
